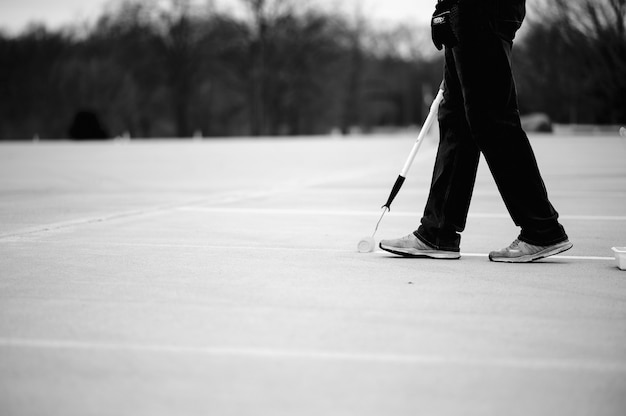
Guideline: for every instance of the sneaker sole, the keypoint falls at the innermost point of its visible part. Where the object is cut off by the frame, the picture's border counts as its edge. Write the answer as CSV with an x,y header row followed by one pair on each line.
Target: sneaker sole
x,y
532,257
415,253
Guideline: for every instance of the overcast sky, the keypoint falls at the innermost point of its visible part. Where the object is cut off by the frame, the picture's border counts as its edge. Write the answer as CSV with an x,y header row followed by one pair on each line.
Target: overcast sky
x,y
16,14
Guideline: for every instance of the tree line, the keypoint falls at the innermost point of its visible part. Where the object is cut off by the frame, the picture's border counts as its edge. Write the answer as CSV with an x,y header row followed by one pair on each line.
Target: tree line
x,y
283,69
572,63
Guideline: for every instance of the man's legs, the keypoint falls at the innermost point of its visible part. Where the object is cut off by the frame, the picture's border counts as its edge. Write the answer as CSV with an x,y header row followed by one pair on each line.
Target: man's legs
x,y
483,65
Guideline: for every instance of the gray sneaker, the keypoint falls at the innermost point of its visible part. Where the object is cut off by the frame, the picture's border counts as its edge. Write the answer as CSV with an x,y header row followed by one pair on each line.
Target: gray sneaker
x,y
411,246
521,252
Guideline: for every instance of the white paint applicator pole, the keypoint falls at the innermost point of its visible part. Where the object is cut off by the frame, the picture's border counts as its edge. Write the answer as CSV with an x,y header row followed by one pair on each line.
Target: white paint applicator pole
x,y
368,244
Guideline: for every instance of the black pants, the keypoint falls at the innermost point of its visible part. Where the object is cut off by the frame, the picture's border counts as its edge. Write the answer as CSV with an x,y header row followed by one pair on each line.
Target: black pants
x,y
479,113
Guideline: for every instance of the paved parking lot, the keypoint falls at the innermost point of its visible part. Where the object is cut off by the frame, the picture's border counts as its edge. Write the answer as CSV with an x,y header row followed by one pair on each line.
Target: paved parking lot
x,y
221,277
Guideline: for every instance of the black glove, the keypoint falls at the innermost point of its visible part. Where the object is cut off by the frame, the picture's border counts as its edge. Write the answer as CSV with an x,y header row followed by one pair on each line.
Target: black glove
x,y
441,26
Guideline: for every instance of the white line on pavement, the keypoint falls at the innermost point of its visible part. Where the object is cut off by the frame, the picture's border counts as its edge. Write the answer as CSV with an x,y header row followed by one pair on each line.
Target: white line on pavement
x,y
552,257
92,244
299,211
530,363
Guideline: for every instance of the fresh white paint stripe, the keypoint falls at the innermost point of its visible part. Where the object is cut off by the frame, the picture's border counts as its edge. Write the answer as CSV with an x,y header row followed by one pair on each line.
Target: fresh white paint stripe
x,y
326,212
316,355
599,258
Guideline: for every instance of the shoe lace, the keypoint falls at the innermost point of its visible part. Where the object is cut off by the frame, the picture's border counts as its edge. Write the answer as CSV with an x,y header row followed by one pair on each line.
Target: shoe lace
x,y
515,244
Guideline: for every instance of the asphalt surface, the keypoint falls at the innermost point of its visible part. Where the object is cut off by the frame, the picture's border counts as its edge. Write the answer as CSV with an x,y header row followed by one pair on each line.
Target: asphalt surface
x,y
222,277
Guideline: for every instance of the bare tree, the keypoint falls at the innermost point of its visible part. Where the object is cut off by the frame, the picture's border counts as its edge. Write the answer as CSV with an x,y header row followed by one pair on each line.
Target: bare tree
x,y
573,60
182,59
263,14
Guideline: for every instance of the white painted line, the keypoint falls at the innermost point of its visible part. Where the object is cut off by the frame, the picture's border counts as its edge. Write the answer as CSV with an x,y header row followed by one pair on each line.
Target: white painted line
x,y
284,211
562,217
92,244
582,258
317,355
359,213
551,257
424,189
227,197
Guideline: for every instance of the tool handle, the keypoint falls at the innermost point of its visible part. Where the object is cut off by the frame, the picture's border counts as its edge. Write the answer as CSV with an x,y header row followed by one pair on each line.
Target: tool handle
x,y
394,191
432,114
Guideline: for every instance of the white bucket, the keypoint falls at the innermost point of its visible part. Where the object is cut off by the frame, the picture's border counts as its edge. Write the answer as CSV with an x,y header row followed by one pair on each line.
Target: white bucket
x,y
620,257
